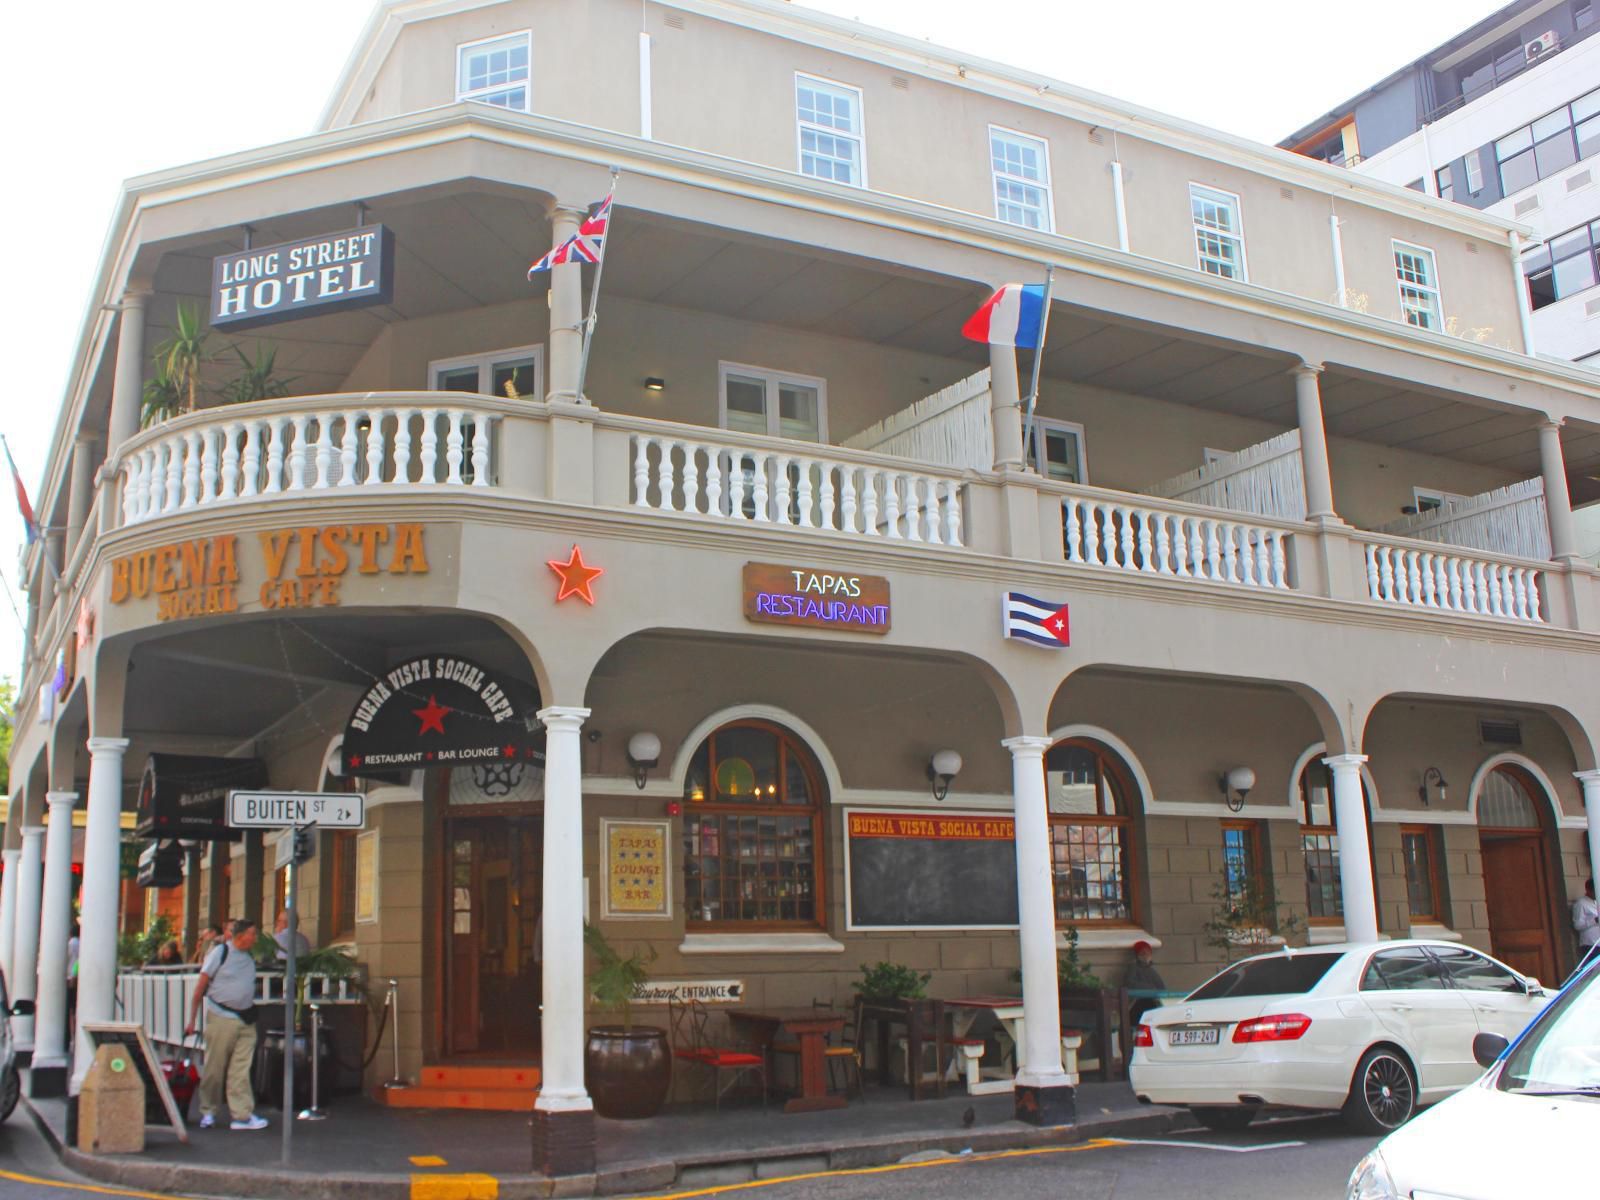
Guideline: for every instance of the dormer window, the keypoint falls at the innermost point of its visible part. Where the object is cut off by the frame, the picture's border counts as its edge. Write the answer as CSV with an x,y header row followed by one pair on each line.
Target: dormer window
x,y
495,71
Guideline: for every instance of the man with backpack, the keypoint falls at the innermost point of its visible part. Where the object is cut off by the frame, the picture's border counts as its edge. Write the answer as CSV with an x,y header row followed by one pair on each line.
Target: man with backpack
x,y
228,988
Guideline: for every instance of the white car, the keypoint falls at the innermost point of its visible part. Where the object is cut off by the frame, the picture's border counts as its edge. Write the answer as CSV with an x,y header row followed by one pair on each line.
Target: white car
x,y
1375,1031
10,1082
1527,1128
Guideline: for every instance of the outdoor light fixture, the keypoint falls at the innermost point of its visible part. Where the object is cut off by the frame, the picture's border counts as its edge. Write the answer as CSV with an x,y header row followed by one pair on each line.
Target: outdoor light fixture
x,y
944,766
644,751
1436,777
1235,786
654,383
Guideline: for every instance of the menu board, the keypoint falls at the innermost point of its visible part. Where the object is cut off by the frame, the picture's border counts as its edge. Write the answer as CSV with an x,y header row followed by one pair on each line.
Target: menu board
x,y
930,870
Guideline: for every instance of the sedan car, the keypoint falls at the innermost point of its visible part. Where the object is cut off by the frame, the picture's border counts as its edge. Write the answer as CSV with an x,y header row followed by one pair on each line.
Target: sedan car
x,y
10,1082
1375,1031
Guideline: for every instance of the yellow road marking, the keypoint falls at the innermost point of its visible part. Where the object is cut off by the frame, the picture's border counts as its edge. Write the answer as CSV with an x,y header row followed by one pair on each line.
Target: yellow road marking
x,y
990,1156
84,1187
427,1160
455,1187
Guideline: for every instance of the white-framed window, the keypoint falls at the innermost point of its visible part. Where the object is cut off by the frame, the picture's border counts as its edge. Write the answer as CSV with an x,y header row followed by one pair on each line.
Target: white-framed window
x,y
516,373
1021,168
1417,276
832,145
775,403
495,70
1218,232
1057,450
1431,499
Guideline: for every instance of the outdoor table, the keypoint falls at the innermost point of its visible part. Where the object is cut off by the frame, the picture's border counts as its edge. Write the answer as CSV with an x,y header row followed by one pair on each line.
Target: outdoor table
x,y
924,1024
1008,1011
812,1030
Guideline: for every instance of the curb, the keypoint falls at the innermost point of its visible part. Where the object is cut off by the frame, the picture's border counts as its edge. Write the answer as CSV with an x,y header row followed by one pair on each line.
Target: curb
x,y
730,1167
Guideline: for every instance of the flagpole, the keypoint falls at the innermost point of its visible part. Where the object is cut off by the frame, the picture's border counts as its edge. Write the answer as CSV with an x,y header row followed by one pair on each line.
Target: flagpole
x,y
1038,358
594,291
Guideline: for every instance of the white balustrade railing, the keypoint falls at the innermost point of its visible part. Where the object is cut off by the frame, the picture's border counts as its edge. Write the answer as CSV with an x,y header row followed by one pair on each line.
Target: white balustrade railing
x,y
765,485
158,998
1428,577
1134,536
232,454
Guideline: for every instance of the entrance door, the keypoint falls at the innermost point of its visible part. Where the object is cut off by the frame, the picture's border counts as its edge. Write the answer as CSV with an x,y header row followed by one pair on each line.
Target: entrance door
x,y
493,890
1517,891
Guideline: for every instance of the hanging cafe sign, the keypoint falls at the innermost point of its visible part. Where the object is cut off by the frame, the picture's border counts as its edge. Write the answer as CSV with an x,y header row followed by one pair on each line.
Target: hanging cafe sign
x,y
353,268
303,567
440,710
818,597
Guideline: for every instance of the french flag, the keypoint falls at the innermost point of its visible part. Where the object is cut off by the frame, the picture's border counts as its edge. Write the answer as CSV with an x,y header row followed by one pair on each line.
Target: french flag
x,y
1013,316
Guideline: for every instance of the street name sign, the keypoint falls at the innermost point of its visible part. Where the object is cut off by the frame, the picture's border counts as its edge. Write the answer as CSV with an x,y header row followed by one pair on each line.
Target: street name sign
x,y
283,810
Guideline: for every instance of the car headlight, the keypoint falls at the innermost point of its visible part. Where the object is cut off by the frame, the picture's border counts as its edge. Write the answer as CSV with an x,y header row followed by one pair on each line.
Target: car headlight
x,y
1370,1180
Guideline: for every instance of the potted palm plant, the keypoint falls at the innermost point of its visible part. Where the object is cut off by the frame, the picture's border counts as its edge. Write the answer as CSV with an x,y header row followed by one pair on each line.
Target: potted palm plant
x,y
627,1068
179,360
258,377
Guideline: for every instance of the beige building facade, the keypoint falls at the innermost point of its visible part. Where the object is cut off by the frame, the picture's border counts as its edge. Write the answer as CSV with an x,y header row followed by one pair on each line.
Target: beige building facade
x,y
1294,478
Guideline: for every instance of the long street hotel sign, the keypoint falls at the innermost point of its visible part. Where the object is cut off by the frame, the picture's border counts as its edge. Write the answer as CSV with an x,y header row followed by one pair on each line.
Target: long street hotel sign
x,y
349,269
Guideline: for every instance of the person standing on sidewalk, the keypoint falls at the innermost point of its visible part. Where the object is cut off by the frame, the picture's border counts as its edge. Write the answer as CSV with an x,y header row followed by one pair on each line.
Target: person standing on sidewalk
x,y
228,988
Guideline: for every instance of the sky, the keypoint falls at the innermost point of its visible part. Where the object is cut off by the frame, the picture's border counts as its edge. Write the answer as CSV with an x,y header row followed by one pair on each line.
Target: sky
x,y
160,85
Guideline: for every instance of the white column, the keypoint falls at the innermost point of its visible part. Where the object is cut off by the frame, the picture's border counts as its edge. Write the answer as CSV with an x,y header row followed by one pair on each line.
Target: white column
x,y
1005,408
8,906
55,927
1557,500
30,877
97,938
127,381
79,492
1591,806
1355,856
1313,442
566,311
1040,1064
561,1089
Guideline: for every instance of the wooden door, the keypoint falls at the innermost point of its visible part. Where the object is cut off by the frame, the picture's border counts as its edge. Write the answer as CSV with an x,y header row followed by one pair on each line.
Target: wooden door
x,y
1517,892
462,885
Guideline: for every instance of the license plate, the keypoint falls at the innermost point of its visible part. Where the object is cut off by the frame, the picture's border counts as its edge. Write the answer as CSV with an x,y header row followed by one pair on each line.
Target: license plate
x,y
1193,1037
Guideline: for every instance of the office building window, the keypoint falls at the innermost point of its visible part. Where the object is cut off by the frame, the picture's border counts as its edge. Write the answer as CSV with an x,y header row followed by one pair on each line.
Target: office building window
x,y
1418,279
1444,183
1552,143
1021,167
1420,857
1474,165
1090,796
495,71
1218,236
829,117
1565,265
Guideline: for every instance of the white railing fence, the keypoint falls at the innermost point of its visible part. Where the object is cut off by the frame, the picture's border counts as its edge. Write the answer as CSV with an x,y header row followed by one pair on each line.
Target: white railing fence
x,y
1133,537
779,487
158,998
235,455
1422,578
1509,520
1267,479
951,428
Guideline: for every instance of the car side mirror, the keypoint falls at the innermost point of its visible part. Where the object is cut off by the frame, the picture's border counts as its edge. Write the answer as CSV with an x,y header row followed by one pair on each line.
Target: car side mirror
x,y
1533,986
22,1008
1487,1048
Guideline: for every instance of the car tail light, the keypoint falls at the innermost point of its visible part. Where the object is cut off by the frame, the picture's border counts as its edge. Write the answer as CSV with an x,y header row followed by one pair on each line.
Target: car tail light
x,y
1284,1027
1142,1037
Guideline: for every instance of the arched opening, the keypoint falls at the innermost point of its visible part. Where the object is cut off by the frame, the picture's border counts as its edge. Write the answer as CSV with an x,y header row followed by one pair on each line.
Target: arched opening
x,y
1094,810
1513,835
753,832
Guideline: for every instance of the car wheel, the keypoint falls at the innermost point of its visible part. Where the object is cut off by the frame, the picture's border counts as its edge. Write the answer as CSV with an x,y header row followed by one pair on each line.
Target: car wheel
x,y
1383,1095
10,1090
1229,1119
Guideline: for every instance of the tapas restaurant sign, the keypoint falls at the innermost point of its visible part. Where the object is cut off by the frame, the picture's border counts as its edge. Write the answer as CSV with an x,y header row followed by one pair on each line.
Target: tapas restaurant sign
x,y
304,567
440,710
349,269
816,597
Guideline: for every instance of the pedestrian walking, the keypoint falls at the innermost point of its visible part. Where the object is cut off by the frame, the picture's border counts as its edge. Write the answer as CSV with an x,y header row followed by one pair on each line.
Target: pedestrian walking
x,y
228,988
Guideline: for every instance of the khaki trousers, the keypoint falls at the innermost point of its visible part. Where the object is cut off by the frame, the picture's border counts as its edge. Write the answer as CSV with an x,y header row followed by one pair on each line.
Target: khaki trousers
x,y
230,1051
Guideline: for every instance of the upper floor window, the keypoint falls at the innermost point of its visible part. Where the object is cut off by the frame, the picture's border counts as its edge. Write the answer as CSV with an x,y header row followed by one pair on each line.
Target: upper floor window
x,y
1418,278
1429,500
1567,264
1552,143
514,374
495,71
1056,450
1021,166
1218,236
831,141
757,400
1090,797
1444,182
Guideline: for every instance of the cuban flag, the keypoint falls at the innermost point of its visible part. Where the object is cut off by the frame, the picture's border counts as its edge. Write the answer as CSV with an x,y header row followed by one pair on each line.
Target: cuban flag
x,y
1013,316
584,246
1042,622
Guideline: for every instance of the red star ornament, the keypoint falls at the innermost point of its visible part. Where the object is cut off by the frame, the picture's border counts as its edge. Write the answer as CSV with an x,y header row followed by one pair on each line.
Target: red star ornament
x,y
432,716
577,577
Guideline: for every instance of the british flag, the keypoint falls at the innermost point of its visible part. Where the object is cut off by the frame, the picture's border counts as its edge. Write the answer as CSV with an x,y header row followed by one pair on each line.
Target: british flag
x,y
584,246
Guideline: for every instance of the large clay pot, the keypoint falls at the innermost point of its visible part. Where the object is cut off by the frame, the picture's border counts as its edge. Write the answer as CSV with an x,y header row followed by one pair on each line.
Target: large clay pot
x,y
628,1071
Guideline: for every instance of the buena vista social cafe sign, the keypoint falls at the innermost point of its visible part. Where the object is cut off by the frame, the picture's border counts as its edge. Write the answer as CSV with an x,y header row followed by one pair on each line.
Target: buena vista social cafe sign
x,y
303,567
816,597
349,269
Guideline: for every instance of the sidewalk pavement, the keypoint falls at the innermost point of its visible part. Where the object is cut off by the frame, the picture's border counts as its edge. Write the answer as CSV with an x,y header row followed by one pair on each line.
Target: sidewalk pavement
x,y
364,1151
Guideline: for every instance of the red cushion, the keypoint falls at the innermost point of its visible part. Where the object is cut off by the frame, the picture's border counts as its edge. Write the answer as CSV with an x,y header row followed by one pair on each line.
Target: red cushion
x,y
732,1058
690,1055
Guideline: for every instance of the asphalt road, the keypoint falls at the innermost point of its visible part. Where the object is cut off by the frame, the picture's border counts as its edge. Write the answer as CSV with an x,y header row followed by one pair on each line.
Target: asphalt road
x,y
1297,1159
29,1168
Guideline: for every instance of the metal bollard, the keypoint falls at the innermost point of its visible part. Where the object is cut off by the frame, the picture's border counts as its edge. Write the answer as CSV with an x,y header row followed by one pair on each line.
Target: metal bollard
x,y
392,1000
315,1113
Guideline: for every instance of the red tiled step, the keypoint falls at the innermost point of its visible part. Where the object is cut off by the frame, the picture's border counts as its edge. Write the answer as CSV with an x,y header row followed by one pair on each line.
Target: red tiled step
x,y
486,1089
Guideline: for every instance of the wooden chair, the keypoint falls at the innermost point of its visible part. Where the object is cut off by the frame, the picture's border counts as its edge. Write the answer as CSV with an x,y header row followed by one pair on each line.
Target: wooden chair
x,y
692,1044
847,1054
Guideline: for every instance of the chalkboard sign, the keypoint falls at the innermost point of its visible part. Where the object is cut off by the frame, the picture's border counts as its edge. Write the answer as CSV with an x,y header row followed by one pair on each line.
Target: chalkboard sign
x,y
158,1102
930,870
